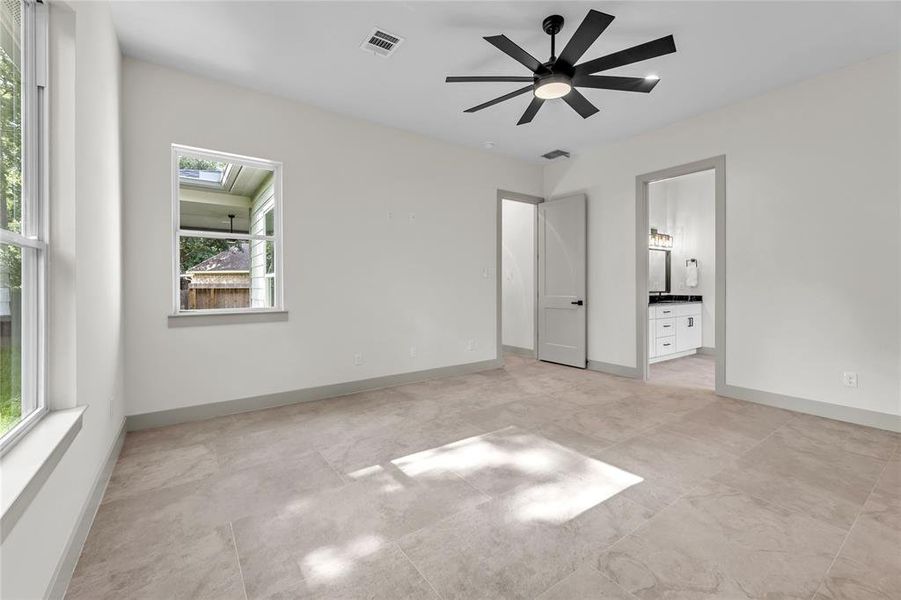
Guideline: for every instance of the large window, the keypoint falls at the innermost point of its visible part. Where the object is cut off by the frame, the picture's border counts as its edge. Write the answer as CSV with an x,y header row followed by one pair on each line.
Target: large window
x,y
227,232
23,218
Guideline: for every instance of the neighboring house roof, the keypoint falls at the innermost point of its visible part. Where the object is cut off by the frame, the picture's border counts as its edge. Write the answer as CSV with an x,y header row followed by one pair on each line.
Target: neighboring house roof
x,y
236,258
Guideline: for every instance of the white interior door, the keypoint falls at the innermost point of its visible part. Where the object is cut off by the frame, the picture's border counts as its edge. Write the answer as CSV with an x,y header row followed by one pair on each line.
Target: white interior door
x,y
561,281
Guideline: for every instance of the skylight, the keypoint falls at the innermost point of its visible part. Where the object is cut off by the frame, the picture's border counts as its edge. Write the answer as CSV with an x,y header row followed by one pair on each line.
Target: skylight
x,y
202,172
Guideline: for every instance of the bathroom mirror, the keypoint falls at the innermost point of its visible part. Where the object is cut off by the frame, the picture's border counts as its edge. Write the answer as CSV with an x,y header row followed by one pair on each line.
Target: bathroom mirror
x,y
658,271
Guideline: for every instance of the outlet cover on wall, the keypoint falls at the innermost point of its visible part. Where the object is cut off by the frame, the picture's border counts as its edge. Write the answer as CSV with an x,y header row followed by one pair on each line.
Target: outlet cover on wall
x,y
358,359
412,351
849,378
471,345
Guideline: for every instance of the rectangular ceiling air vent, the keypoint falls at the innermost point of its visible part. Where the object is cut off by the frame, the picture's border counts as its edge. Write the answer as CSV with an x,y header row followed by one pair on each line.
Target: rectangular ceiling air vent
x,y
556,154
381,42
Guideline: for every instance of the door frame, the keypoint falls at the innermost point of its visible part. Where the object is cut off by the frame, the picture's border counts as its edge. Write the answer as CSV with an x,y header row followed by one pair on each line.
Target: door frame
x,y
642,224
499,251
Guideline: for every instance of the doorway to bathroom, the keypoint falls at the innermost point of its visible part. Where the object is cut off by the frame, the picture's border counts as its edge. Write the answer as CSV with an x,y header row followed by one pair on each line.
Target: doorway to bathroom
x,y
679,299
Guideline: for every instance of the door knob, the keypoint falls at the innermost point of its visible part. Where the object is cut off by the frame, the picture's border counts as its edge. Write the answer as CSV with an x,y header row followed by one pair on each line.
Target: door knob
x,y
577,302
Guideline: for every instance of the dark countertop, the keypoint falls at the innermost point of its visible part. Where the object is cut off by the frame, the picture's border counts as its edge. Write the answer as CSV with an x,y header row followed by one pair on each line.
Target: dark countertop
x,y
670,299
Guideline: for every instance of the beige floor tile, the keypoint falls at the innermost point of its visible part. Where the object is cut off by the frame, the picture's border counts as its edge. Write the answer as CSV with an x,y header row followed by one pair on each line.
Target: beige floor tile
x,y
529,412
520,544
669,464
282,550
349,453
129,527
851,580
586,583
737,426
718,542
510,483
201,567
138,473
825,482
826,434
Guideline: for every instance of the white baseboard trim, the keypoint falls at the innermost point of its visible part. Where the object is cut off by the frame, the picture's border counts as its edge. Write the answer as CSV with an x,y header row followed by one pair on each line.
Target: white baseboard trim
x,y
612,369
56,590
231,407
707,351
518,351
827,410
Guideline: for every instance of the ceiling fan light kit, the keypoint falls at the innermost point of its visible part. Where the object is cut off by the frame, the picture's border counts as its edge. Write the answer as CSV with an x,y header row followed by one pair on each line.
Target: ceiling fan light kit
x,y
560,75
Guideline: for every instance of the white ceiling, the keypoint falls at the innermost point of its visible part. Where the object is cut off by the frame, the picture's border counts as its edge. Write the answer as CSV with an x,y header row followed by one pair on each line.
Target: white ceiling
x,y
309,51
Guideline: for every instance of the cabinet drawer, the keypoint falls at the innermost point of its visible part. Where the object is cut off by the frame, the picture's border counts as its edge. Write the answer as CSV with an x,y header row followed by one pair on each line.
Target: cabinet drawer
x,y
664,312
666,345
665,327
688,310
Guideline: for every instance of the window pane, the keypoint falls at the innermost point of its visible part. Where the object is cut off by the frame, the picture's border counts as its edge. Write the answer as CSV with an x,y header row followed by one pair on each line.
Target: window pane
x,y
219,196
10,116
270,222
18,333
223,274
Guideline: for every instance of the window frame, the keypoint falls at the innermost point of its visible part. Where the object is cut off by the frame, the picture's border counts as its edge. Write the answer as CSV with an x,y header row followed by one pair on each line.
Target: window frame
x,y
178,232
35,203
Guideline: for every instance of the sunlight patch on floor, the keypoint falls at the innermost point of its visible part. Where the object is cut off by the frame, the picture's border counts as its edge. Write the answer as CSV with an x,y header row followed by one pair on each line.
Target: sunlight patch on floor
x,y
329,563
558,484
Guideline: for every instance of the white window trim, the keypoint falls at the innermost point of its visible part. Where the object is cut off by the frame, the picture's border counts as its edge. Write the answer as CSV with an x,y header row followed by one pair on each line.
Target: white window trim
x,y
35,203
177,232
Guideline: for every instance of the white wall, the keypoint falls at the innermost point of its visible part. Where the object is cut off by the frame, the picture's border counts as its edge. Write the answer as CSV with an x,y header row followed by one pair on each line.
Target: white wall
x,y
518,272
812,250
685,207
85,349
356,281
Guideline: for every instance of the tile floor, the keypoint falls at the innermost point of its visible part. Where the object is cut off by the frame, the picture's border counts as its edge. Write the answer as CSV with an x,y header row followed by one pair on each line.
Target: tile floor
x,y
696,371
532,481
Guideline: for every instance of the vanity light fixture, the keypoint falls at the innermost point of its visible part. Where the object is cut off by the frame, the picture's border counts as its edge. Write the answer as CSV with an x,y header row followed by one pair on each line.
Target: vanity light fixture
x,y
660,241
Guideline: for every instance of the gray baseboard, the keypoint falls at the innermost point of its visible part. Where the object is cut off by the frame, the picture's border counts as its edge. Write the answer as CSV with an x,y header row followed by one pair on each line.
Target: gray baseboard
x,y
836,412
612,369
66,567
528,353
707,351
231,407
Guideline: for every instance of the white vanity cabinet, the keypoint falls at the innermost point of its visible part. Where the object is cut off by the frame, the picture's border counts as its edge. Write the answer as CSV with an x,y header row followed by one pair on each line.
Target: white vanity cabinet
x,y
674,330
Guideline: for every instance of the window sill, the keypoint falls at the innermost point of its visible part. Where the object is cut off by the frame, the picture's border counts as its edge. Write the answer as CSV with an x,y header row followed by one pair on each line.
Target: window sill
x,y
226,317
28,464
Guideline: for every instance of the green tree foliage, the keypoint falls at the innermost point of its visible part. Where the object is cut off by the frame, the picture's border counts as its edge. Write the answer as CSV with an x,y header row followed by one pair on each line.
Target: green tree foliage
x,y
10,166
195,250
200,164
10,219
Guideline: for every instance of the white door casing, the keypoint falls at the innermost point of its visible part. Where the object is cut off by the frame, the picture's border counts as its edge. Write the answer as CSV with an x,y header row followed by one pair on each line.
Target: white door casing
x,y
562,273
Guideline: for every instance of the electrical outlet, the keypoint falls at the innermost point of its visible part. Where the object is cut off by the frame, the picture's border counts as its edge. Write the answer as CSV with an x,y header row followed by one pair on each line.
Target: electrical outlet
x,y
412,217
471,345
849,378
486,273
358,359
390,215
412,351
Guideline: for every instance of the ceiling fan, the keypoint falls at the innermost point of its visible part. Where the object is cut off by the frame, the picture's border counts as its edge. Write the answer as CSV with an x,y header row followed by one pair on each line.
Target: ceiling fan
x,y
560,75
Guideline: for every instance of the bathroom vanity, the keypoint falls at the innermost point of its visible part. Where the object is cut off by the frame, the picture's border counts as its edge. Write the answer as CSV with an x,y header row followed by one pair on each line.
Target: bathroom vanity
x,y
674,326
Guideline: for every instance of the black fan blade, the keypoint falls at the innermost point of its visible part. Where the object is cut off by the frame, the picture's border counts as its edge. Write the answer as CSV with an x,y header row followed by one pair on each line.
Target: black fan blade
x,y
505,45
533,107
593,25
503,78
580,104
623,84
500,99
664,45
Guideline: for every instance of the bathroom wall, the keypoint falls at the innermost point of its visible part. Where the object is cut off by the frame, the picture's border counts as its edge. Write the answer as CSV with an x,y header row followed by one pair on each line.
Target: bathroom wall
x,y
684,207
518,272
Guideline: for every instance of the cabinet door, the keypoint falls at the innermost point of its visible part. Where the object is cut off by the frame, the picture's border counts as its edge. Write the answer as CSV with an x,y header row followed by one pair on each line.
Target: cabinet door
x,y
688,333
